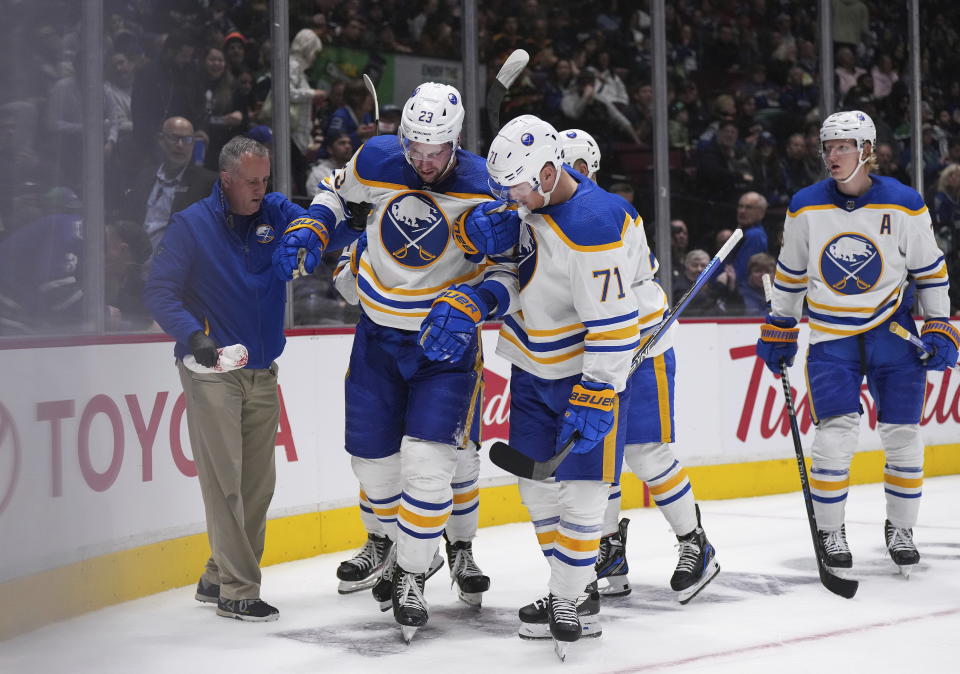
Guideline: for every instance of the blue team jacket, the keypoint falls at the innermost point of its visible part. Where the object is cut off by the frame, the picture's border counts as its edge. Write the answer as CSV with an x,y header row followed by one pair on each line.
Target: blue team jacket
x,y
207,275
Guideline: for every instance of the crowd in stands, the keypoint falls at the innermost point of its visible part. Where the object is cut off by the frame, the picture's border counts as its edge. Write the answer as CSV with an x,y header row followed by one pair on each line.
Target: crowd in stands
x,y
182,77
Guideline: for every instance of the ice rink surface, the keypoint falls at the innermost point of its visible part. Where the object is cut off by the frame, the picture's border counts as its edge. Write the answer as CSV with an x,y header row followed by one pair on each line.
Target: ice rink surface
x,y
765,612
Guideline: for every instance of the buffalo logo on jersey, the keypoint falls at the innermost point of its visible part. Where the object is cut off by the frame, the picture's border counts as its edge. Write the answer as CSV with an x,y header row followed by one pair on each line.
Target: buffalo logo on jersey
x,y
265,233
526,256
414,229
851,264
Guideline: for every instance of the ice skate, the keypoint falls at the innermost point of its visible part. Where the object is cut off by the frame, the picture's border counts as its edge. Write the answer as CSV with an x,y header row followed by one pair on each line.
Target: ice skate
x,y
901,547
410,609
383,588
836,552
465,574
565,625
363,570
697,565
535,617
612,567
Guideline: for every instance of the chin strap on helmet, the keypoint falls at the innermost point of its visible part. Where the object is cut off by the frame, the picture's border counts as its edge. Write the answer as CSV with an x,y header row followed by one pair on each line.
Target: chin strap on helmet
x,y
860,162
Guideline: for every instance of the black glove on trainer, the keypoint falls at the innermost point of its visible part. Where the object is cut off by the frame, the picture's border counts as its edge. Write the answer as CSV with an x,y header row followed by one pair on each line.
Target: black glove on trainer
x,y
204,349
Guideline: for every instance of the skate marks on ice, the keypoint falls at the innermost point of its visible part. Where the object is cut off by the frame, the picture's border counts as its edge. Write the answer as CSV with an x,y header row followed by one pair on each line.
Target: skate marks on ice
x,y
727,588
381,637
376,638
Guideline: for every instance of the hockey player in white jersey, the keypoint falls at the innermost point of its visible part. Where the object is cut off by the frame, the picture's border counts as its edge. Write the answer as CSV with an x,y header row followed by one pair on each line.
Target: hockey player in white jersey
x,y
363,569
857,246
650,430
407,416
570,346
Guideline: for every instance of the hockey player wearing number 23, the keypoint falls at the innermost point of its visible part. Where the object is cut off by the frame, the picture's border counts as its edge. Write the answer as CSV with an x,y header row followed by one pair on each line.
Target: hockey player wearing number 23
x,y
857,245
411,421
570,347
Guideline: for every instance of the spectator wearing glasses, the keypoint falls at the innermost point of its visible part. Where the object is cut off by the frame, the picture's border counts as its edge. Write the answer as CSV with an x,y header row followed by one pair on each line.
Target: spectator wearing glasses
x,y
160,191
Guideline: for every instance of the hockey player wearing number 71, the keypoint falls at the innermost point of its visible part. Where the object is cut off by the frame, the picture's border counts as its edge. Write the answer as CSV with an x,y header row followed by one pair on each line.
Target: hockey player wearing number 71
x,y
570,346
857,245
650,430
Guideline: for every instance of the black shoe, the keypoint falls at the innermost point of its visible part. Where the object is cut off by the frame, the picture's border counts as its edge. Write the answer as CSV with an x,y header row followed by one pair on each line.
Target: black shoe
x,y
697,565
208,593
836,552
363,570
900,544
464,572
409,607
250,610
564,619
535,618
611,566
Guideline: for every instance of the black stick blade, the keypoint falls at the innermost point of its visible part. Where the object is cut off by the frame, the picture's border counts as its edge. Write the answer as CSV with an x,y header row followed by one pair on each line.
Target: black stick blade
x,y
506,457
845,587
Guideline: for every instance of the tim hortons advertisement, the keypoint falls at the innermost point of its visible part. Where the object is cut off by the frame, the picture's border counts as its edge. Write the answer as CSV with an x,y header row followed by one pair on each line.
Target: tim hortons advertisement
x,y
95,457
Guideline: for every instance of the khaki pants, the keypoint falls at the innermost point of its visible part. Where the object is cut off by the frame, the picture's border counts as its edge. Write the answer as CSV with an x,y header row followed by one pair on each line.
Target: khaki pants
x,y
232,418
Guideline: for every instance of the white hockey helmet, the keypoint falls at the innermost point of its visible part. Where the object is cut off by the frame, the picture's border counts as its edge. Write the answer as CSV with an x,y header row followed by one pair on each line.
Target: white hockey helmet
x,y
850,125
578,144
523,146
433,114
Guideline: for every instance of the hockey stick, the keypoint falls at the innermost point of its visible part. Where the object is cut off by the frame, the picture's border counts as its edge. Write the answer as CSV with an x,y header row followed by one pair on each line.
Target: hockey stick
x,y
368,83
903,333
509,71
514,461
844,587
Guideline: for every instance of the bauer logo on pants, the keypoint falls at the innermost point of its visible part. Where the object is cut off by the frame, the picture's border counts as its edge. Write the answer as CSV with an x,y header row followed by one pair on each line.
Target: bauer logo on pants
x,y
851,264
414,230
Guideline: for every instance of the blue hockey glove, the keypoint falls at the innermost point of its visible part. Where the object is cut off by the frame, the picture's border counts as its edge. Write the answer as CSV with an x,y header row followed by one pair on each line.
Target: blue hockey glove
x,y
488,229
305,234
942,339
452,323
590,411
778,341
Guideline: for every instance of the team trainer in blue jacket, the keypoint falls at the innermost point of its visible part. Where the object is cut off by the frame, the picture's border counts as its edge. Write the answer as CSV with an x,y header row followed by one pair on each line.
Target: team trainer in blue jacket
x,y
212,284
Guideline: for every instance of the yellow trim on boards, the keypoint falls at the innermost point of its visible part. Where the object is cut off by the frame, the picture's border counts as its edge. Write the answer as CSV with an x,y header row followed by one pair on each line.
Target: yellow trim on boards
x,y
62,593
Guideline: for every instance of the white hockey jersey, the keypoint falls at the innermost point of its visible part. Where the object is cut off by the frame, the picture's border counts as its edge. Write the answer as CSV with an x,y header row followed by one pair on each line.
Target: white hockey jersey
x,y
410,256
853,258
578,263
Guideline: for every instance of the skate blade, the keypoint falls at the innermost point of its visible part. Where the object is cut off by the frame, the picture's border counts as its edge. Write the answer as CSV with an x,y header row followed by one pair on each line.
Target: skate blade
x,y
613,586
471,598
590,628
906,569
684,596
560,648
407,632
351,586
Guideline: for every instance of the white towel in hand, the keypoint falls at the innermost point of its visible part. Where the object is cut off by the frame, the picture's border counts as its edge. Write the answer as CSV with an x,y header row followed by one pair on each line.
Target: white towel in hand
x,y
231,357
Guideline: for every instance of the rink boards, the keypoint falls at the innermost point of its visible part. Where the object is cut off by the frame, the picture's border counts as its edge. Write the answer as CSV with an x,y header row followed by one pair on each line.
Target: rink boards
x,y
98,495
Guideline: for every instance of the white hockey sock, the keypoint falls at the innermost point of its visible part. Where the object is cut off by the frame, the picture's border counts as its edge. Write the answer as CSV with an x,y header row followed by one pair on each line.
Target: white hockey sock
x,y
462,525
379,491
656,464
611,516
426,501
833,446
903,472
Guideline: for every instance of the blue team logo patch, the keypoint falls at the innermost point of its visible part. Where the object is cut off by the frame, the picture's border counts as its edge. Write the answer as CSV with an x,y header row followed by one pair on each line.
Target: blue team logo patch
x,y
265,233
414,230
527,139
526,256
851,264
571,134
452,98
